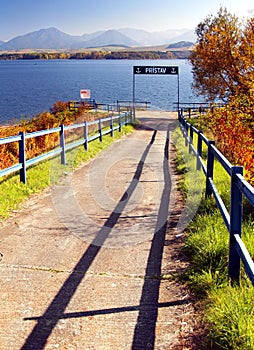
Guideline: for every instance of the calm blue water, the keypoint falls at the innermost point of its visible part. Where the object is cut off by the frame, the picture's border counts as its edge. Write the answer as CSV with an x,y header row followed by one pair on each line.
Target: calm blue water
x,y
32,86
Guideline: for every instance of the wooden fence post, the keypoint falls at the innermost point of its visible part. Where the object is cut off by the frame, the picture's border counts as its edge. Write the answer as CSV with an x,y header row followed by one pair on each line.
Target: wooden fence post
x,y
112,126
187,132
22,157
236,208
191,138
62,145
119,121
198,166
100,131
210,164
86,135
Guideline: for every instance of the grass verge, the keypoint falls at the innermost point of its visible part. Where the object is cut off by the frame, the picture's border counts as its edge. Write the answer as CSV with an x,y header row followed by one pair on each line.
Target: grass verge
x,y
42,175
227,311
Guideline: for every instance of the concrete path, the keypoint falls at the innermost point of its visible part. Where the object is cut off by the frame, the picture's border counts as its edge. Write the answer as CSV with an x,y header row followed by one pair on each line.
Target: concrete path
x,y
87,264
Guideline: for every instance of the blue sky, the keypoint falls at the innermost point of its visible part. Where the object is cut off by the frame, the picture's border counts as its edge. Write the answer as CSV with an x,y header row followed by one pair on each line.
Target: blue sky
x,y
76,17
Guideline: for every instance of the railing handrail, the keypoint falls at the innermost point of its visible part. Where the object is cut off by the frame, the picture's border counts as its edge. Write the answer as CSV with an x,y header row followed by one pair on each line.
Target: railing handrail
x,y
110,107
239,186
113,123
195,108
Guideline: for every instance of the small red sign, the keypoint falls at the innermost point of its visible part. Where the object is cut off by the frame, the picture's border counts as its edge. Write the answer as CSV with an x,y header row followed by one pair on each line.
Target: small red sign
x,y
85,94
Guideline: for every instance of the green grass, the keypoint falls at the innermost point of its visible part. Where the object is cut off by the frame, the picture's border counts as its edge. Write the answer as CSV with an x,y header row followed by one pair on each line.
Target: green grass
x,y
230,313
42,175
228,310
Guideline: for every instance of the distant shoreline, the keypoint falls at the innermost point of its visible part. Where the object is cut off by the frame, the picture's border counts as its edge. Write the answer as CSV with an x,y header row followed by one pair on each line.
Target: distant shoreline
x,y
97,55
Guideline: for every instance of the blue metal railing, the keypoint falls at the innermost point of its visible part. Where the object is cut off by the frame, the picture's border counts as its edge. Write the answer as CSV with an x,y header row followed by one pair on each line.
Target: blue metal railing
x,y
118,106
194,108
239,187
104,126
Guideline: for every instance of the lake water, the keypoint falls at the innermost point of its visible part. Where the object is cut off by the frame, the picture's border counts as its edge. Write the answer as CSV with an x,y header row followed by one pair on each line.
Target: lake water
x,y
29,87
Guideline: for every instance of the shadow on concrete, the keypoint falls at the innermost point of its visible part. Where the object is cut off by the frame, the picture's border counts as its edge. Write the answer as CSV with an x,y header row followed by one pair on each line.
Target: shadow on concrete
x,y
114,310
55,311
152,124
144,335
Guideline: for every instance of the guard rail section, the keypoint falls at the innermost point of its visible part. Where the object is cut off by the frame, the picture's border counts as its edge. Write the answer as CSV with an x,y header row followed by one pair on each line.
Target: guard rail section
x,y
90,131
239,187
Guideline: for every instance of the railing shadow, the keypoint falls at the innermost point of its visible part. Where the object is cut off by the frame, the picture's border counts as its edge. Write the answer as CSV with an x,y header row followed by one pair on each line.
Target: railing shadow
x,y
55,311
144,335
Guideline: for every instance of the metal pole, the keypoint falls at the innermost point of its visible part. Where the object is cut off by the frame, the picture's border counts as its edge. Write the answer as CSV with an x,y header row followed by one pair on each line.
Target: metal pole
x,y
133,98
178,91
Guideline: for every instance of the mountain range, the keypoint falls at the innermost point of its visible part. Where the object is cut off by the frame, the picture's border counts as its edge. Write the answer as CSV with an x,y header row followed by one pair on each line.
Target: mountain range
x,y
52,38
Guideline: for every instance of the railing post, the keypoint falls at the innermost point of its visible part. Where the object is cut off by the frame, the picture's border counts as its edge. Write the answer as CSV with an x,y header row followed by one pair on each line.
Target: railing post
x,y
86,135
200,132
112,126
62,145
100,131
210,164
191,138
119,121
22,157
236,208
187,133
131,116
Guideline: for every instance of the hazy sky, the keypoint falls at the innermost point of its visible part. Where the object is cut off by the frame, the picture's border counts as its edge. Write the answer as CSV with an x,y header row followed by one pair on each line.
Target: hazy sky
x,y
76,17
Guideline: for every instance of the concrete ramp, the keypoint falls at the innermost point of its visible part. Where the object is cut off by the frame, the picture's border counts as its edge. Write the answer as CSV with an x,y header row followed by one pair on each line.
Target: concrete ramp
x,y
89,264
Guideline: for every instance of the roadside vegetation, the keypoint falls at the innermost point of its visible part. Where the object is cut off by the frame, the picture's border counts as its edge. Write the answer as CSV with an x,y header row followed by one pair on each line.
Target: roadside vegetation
x,y
222,64
232,128
227,311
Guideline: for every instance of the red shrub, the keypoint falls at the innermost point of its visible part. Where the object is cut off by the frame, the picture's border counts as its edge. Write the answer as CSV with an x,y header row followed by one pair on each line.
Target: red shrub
x,y
232,127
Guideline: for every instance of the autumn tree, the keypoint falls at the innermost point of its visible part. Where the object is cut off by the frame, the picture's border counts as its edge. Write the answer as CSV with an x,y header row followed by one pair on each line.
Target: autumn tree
x,y
223,58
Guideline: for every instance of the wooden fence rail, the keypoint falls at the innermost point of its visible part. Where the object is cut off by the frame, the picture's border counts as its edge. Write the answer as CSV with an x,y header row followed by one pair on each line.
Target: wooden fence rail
x,y
104,126
120,105
194,108
239,187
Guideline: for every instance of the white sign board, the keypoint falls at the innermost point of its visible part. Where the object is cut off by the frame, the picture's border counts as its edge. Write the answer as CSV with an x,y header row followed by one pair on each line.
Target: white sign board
x,y
85,94
155,70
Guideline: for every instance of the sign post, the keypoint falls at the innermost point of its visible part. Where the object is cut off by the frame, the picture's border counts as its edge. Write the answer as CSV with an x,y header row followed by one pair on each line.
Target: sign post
x,y
155,70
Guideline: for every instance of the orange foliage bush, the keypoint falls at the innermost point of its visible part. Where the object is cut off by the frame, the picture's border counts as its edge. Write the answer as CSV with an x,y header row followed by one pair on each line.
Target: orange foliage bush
x,y
233,129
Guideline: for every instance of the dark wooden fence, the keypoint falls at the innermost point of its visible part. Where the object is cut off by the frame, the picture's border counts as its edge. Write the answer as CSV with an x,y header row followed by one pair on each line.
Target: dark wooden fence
x,y
239,188
120,105
88,133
